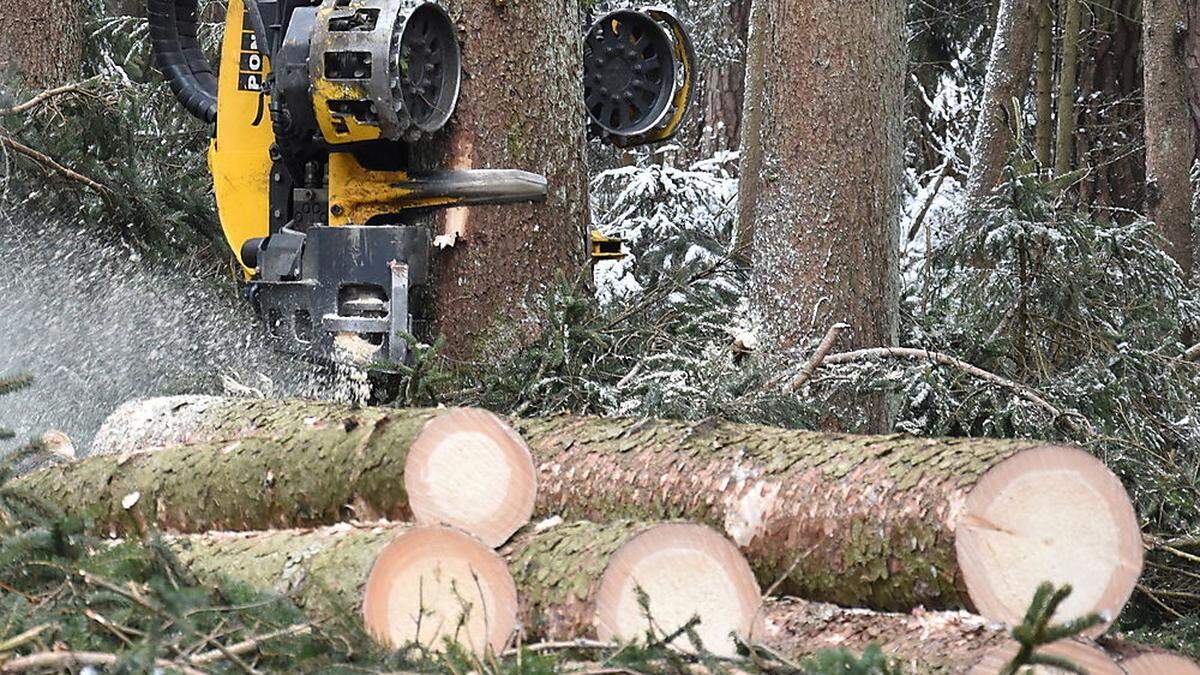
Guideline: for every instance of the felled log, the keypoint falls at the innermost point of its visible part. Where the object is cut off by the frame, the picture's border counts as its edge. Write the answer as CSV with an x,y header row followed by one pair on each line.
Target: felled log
x,y
1083,653
462,468
583,580
403,584
938,643
1138,659
889,522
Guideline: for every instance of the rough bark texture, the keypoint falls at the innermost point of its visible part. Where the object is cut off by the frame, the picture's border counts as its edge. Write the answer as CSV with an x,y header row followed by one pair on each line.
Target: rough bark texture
x,y
870,520
1013,46
1191,61
723,85
1109,138
323,571
42,40
942,643
521,108
558,574
1170,131
826,148
260,465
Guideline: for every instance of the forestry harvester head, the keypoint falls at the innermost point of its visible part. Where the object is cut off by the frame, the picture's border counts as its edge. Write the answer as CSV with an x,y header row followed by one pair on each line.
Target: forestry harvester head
x,y
318,106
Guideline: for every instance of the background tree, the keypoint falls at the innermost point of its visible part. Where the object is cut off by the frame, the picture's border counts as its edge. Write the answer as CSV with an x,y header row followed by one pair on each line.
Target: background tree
x,y
822,162
1013,46
522,108
1170,132
42,40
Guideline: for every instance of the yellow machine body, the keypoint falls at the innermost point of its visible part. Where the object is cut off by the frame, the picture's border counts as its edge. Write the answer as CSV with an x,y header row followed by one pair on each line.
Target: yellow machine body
x,y
239,157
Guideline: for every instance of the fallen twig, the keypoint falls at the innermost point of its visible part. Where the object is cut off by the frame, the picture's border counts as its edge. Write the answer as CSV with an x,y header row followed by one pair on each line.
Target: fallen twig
x,y
45,96
818,357
64,660
910,354
49,162
18,640
937,187
249,645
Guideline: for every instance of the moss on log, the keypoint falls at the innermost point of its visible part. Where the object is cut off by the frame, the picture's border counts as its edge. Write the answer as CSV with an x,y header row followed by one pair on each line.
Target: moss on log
x,y
303,470
874,521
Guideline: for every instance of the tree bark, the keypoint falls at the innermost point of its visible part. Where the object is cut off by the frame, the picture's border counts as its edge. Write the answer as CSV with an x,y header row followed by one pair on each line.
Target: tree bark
x,y
42,40
1191,61
580,580
938,643
1013,46
724,94
1068,82
889,522
351,574
522,108
1045,86
1170,130
464,468
822,211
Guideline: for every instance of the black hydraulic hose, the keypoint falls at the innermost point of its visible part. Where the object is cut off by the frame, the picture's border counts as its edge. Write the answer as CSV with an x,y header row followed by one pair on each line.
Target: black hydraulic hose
x,y
195,89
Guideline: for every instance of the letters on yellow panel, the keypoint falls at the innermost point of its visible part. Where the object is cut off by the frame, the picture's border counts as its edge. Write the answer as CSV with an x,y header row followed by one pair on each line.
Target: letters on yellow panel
x,y
240,155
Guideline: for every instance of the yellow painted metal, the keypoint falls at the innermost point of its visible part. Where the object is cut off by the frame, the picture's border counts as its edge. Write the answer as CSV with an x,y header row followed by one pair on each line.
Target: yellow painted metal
x,y
607,248
240,155
683,95
356,195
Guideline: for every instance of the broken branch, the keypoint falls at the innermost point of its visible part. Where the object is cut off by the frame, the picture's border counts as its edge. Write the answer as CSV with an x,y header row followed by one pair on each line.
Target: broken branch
x,y
50,163
47,95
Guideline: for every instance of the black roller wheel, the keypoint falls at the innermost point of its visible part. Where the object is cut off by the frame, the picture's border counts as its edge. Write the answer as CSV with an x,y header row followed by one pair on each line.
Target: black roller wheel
x,y
430,67
629,73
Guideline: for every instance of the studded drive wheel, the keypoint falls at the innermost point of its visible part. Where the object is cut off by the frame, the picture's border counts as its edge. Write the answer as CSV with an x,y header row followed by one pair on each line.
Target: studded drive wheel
x,y
629,73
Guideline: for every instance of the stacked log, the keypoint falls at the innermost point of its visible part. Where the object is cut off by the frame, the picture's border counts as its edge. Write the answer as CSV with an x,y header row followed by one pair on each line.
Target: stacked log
x,y
407,584
886,522
238,466
669,526
588,580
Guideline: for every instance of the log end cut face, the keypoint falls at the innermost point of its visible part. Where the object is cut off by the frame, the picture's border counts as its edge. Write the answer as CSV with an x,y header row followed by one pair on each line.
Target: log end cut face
x,y
434,584
469,469
1161,664
685,571
1093,660
1052,514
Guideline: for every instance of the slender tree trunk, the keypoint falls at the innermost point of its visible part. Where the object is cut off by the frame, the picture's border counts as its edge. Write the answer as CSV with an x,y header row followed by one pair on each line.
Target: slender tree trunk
x,y
1170,130
522,108
1192,63
751,144
1014,42
1068,81
1045,86
42,40
823,208
724,93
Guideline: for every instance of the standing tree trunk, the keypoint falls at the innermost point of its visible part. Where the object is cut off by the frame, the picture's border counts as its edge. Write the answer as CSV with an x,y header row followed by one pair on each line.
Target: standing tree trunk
x,y
1192,63
724,85
42,40
1170,131
1045,86
522,108
1013,46
1068,80
823,142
